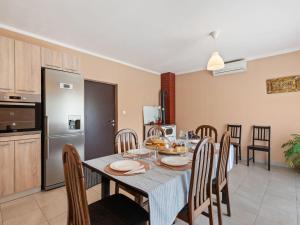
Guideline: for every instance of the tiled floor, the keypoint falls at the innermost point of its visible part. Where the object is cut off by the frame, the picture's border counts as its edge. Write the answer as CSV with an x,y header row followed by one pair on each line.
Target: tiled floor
x,y
258,197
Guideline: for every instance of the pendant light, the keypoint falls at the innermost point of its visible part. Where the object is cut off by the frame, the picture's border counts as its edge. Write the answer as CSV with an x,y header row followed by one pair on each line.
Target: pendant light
x,y
215,62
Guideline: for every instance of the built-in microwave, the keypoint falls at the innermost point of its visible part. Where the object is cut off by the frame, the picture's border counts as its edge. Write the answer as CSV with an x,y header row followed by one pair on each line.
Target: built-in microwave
x,y
20,117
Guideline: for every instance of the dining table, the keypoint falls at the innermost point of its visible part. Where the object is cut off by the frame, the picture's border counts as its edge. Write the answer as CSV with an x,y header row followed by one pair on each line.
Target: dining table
x,y
166,189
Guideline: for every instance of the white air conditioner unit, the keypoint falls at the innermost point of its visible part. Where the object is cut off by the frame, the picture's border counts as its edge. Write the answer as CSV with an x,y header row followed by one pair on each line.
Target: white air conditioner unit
x,y
236,66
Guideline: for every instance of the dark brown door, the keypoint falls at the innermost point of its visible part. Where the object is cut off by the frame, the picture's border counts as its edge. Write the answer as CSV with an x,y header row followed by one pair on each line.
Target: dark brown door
x,y
100,122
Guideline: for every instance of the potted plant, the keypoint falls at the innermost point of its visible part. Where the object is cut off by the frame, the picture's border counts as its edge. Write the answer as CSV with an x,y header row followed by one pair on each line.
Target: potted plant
x,y
292,151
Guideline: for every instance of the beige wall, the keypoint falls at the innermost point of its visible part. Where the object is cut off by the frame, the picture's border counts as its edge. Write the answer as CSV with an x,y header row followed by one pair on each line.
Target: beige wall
x,y
204,99
136,88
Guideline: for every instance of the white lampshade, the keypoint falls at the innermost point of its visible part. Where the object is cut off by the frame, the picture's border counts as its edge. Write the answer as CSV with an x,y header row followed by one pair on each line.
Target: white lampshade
x,y
215,62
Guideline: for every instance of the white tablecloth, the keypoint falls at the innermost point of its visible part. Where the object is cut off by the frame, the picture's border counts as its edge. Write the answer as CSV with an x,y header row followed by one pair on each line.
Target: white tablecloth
x,y
167,190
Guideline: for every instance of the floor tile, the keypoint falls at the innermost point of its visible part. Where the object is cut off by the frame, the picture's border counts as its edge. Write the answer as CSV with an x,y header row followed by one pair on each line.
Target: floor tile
x,y
16,208
59,220
34,217
276,216
92,196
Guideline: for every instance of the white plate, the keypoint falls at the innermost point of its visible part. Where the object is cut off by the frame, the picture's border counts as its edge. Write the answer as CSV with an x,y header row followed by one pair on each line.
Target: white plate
x,y
175,160
195,141
124,165
141,151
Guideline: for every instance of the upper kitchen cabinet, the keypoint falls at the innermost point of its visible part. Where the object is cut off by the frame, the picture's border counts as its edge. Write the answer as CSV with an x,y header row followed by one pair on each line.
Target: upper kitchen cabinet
x,y
27,68
6,64
71,63
51,58
60,60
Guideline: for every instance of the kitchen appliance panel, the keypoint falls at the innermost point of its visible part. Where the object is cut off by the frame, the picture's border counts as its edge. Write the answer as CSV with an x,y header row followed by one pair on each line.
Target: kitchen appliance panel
x,y
53,168
64,102
19,117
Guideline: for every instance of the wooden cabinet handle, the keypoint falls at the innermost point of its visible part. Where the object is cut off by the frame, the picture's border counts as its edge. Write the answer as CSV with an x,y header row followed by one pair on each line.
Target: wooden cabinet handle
x,y
27,142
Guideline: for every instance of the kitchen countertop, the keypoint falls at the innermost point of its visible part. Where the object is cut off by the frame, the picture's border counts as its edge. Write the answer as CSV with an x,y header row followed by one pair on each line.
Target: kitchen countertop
x,y
8,134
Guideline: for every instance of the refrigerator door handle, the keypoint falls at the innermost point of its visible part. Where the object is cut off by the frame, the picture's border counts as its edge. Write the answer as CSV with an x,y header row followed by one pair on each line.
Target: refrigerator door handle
x,y
46,125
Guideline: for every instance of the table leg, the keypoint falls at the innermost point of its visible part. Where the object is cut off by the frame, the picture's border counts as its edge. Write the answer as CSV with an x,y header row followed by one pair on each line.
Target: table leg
x,y
105,187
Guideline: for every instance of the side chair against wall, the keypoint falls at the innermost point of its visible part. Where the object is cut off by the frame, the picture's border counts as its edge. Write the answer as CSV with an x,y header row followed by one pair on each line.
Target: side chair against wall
x,y
236,139
207,131
261,141
126,139
220,183
115,209
200,192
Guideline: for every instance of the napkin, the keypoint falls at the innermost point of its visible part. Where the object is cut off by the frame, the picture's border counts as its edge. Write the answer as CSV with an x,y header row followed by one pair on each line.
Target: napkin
x,y
135,171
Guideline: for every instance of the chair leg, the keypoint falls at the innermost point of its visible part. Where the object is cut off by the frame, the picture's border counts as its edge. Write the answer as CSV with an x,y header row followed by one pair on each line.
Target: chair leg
x,y
117,188
219,208
240,153
236,154
227,200
253,156
138,199
210,212
247,156
269,160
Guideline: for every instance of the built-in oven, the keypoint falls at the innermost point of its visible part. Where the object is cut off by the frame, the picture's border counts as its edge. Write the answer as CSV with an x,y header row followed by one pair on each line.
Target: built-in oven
x,y
19,117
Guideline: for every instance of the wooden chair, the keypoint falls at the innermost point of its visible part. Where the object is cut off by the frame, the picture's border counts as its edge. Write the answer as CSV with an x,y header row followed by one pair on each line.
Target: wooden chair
x,y
156,131
115,209
126,139
200,191
207,131
220,183
261,141
236,134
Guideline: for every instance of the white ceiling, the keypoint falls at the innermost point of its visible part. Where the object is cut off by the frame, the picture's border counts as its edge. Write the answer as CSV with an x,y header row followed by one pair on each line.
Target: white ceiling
x,y
161,35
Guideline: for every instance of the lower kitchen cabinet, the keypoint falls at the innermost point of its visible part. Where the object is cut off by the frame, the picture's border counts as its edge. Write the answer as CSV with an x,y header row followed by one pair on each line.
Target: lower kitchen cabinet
x,y
20,164
6,168
27,164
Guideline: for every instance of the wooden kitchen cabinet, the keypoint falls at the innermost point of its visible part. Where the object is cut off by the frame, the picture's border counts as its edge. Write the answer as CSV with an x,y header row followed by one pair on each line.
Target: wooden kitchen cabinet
x,y
27,68
6,168
51,59
7,64
71,63
27,164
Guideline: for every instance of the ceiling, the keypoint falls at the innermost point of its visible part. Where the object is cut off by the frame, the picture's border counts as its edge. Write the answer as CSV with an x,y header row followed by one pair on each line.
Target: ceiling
x,y
161,35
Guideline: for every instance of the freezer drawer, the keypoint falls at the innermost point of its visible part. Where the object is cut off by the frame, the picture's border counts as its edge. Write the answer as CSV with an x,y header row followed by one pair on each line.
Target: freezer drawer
x,y
53,164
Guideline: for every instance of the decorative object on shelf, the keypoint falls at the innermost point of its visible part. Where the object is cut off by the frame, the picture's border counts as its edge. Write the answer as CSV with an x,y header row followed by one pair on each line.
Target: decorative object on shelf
x,y
215,62
283,84
292,152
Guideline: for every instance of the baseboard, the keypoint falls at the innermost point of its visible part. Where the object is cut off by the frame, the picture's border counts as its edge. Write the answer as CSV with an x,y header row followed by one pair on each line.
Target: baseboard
x,y
19,195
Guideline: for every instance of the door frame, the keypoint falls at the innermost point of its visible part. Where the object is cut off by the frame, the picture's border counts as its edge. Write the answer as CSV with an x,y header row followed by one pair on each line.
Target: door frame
x,y
116,101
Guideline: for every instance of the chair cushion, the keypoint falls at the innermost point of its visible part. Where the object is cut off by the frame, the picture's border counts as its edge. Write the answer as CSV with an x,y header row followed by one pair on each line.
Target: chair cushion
x,y
259,147
184,214
117,210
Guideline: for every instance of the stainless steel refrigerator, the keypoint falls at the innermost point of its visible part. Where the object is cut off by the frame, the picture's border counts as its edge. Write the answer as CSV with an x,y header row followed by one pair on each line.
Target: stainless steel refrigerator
x,y
63,109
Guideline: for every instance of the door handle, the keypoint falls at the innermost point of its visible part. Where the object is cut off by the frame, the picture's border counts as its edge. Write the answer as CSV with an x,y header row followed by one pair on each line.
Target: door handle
x,y
46,141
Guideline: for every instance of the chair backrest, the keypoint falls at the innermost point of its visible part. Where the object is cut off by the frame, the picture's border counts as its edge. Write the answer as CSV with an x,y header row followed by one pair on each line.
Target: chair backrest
x,y
235,132
156,131
261,134
207,131
78,213
125,140
201,177
223,159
